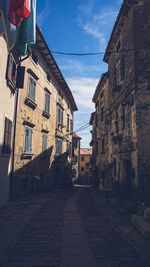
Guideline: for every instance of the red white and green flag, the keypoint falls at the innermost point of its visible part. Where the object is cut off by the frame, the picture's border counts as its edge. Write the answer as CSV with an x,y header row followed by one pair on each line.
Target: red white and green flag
x,y
18,10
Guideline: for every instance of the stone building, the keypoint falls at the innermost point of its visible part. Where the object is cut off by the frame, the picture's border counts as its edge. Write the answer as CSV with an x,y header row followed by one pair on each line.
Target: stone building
x,y
7,104
76,156
85,164
101,136
128,114
44,119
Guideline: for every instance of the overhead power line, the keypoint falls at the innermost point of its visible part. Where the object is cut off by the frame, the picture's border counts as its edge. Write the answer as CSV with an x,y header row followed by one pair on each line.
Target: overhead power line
x,y
98,53
124,93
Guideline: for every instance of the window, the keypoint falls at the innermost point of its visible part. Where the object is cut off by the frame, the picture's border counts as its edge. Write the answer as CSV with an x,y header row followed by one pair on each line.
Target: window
x,y
82,169
7,137
71,125
87,165
123,116
48,77
68,123
102,94
75,143
34,58
96,120
59,114
82,158
102,114
32,88
28,140
97,104
103,146
119,71
60,94
116,123
58,146
44,142
11,71
118,46
47,101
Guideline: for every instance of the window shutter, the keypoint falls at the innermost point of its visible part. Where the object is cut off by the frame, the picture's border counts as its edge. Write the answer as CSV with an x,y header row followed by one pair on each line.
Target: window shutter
x,y
47,102
44,142
9,67
32,87
30,140
26,140
20,77
61,116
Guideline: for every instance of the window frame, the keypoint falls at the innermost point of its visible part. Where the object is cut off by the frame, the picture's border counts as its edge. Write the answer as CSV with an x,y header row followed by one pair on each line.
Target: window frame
x,y
68,123
29,92
47,102
29,144
57,152
60,114
44,142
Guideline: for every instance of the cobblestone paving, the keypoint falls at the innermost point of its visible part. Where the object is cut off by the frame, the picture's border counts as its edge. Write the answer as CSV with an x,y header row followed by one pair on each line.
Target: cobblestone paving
x,y
109,246
40,242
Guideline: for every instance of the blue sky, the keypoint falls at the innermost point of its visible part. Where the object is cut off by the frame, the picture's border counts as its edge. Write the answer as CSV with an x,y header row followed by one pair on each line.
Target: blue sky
x,y
79,26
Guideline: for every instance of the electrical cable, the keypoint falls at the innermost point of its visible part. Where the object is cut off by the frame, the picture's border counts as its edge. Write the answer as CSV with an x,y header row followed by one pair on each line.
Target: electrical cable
x,y
126,95
98,53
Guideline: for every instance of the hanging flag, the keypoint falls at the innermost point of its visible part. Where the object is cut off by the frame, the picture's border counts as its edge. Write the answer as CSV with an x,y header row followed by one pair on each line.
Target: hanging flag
x,y
18,10
30,24
26,32
6,26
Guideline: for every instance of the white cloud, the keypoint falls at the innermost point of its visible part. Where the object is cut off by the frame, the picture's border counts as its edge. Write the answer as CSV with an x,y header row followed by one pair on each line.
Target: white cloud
x,y
74,66
97,24
83,89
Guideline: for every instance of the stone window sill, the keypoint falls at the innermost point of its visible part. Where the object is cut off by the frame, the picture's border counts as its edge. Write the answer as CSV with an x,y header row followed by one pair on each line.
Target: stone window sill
x,y
27,155
29,102
46,114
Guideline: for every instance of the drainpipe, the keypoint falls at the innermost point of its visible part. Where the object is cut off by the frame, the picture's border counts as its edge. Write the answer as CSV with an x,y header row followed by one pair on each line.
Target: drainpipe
x,y
14,136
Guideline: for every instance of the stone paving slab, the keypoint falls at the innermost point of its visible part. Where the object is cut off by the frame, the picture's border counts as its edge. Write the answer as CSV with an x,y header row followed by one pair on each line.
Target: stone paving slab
x,y
75,248
15,217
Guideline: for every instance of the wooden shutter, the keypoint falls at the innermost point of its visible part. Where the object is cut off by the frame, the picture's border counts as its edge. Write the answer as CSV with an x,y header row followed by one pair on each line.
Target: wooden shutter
x,y
7,136
20,77
9,67
44,142
28,140
32,87
58,146
47,102
61,118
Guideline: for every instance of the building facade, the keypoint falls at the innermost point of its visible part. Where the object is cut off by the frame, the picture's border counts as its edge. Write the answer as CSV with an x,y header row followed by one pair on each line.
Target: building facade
x,y
7,103
76,156
85,164
44,119
127,117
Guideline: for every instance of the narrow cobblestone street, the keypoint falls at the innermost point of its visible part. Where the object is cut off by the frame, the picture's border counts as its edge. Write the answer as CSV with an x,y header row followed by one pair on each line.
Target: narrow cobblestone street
x,y
67,230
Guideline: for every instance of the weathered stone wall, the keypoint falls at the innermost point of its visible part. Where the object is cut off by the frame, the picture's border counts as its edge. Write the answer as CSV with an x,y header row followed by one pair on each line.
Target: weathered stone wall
x,y
40,163
7,102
